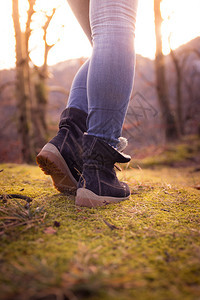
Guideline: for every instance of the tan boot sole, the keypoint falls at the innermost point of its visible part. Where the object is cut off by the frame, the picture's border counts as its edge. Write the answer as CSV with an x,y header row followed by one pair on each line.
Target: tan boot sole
x,y
87,198
52,163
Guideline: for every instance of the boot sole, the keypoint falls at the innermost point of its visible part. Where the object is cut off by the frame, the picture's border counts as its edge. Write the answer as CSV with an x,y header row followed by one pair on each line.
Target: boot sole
x,y
52,163
87,198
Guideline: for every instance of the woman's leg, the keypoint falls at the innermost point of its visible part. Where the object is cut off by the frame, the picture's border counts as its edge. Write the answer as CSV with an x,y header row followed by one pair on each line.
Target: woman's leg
x,y
111,68
61,158
109,86
78,93
80,9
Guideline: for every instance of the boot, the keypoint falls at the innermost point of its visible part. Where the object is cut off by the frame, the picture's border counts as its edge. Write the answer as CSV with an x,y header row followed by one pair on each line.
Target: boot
x,y
98,184
61,158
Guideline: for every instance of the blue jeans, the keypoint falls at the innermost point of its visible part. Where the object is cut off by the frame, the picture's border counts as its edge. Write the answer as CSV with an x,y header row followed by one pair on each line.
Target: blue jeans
x,y
103,85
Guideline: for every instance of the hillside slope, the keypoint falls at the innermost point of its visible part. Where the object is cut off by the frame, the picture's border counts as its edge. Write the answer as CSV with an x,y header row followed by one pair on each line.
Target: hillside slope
x,y
142,125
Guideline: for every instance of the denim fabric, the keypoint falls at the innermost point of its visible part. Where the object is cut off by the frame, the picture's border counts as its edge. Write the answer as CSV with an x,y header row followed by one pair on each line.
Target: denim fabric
x,y
78,93
103,85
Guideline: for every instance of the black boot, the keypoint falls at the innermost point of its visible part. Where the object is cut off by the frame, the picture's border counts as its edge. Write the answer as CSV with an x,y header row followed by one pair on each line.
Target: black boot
x,y
62,156
98,184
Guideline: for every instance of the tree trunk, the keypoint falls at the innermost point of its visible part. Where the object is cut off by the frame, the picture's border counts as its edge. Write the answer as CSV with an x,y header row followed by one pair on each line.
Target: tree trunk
x,y
31,88
38,133
21,88
179,112
171,132
41,110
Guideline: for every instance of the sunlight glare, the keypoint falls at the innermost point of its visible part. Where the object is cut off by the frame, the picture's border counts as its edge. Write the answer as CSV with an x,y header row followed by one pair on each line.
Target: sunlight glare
x,y
181,22
64,31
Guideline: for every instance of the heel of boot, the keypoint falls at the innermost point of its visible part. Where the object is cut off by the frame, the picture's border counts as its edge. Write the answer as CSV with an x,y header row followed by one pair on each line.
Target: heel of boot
x,y
52,163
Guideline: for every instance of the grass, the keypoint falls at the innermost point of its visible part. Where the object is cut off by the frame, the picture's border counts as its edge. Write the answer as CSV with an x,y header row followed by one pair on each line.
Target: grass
x,y
147,247
182,153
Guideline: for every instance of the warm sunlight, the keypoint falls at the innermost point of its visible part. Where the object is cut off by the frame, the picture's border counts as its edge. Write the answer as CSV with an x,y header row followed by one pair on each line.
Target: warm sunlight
x,y
181,22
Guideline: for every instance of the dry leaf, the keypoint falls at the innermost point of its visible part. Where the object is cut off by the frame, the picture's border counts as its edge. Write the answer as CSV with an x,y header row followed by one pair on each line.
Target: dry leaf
x,y
50,230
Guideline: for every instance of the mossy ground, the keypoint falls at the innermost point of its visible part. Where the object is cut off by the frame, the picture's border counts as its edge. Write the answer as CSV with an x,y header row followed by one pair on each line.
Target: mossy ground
x,y
147,247
184,153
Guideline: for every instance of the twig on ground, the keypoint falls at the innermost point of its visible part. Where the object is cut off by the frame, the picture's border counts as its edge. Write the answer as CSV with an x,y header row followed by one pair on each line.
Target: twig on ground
x,y
16,196
111,226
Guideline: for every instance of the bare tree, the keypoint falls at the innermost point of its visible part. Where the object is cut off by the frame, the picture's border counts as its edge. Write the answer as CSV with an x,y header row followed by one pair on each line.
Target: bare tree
x,y
178,71
171,131
39,76
22,92
31,87
41,89
191,90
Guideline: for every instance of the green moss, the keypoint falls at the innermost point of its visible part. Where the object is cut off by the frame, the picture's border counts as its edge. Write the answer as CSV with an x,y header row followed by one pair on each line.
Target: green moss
x,y
173,154
152,254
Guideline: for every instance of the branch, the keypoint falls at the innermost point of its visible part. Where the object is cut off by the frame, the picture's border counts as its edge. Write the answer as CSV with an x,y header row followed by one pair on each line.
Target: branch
x,y
17,196
186,53
47,47
49,18
28,23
